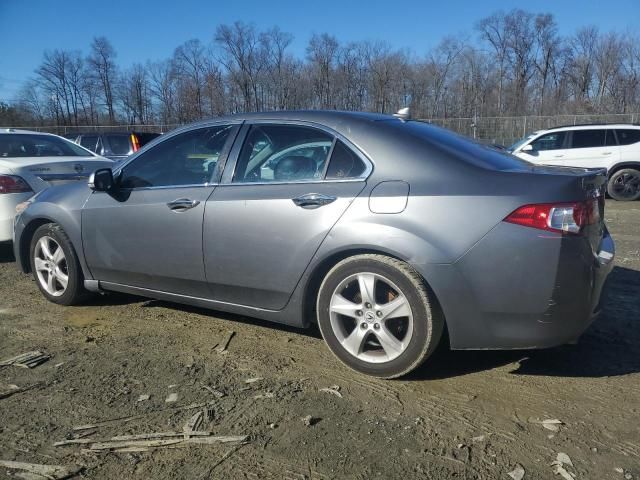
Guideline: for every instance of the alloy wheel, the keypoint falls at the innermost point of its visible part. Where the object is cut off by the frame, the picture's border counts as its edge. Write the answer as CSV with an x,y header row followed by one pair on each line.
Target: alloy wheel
x,y
627,185
51,266
371,317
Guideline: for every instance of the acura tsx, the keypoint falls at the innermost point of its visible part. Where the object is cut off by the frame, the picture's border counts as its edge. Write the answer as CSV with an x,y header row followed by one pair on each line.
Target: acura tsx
x,y
385,231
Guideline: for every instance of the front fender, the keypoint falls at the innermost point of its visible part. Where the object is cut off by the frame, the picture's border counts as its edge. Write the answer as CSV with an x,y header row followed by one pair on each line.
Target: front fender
x,y
61,205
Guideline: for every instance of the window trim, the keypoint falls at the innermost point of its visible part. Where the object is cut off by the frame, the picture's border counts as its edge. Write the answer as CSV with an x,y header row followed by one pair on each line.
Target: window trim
x,y
224,155
232,159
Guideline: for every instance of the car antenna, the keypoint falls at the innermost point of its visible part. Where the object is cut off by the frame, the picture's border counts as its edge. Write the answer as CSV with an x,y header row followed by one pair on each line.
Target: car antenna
x,y
403,114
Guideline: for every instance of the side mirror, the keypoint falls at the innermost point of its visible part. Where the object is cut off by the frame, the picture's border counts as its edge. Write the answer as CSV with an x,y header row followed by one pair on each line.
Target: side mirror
x,y
527,148
101,180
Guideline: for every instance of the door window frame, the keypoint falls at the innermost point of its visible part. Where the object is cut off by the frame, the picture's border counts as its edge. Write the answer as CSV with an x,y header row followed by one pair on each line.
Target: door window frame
x,y
234,155
220,166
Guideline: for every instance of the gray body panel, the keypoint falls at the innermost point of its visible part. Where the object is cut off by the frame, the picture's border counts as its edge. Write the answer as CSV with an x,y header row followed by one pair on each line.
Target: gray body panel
x,y
436,201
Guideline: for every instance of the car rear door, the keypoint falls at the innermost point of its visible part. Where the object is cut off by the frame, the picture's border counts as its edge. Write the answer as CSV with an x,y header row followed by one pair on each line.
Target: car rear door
x,y
148,232
592,148
262,229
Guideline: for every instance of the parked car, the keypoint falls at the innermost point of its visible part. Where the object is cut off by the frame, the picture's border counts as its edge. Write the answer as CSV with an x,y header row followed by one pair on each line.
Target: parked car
x,y
614,147
400,231
32,161
114,145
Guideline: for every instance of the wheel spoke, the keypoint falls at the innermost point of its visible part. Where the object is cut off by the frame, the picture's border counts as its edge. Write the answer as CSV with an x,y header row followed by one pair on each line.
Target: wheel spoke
x,y
58,255
51,284
40,265
355,341
390,344
398,307
63,279
342,306
44,247
367,283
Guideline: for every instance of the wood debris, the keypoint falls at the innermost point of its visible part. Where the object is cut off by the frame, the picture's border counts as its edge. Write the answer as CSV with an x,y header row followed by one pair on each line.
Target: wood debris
x,y
552,424
26,360
172,397
333,390
193,424
143,398
253,380
52,472
225,343
213,391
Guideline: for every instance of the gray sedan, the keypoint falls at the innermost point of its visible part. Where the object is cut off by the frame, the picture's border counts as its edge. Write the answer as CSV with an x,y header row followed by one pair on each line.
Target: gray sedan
x,y
386,232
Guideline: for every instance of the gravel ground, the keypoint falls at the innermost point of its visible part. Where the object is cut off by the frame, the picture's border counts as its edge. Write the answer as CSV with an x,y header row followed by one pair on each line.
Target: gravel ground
x,y
462,415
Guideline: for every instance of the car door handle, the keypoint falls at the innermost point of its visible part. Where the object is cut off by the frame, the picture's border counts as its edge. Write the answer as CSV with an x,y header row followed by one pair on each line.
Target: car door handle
x,y
606,153
558,156
182,204
313,200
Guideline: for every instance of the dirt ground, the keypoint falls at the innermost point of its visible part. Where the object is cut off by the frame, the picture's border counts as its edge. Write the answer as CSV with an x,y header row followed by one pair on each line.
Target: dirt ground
x,y
462,415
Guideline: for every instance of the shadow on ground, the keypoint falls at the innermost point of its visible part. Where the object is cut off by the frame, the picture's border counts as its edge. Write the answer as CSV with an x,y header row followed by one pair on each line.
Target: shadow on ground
x,y
6,252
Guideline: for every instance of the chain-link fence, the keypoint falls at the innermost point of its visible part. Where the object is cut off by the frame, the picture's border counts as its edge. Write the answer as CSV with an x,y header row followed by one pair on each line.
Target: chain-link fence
x,y
497,130
507,130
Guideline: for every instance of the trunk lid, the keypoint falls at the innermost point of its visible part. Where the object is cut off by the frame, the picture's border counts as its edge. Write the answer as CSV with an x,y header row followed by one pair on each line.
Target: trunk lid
x,y
61,170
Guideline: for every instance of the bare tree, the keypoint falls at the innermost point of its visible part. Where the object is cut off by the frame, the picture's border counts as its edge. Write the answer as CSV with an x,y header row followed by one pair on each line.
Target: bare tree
x,y
102,63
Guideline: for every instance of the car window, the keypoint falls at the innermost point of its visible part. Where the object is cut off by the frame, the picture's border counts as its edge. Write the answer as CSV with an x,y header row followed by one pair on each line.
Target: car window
x,y
118,144
27,145
89,141
628,136
283,153
549,141
609,138
588,138
344,163
189,158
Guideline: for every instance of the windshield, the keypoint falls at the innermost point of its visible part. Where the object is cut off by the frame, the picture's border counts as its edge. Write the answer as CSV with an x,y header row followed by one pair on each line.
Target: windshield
x,y
521,142
33,145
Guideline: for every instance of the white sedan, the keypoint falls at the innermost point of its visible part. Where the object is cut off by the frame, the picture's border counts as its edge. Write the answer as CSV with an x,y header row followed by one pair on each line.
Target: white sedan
x,y
33,161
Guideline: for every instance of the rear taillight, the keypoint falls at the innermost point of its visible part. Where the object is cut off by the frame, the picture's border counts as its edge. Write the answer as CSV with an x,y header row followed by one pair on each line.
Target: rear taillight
x,y
13,184
557,217
135,142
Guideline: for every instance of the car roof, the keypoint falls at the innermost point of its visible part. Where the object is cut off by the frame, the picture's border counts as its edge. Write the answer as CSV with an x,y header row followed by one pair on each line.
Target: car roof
x,y
15,131
590,126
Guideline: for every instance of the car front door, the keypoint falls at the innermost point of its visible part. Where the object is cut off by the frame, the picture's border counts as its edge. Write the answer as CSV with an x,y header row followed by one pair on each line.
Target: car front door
x,y
148,232
592,148
547,149
289,185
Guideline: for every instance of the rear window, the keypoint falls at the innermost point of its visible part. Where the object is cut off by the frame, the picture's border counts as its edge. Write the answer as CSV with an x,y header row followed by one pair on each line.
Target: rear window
x,y
118,144
471,151
89,141
588,138
628,136
34,145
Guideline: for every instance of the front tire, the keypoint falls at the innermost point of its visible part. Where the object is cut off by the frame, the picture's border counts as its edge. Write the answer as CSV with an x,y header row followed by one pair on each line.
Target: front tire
x,y
375,315
624,185
55,266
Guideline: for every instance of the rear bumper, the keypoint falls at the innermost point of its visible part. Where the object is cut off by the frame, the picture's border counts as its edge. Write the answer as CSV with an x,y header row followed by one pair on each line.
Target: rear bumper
x,y
8,202
522,288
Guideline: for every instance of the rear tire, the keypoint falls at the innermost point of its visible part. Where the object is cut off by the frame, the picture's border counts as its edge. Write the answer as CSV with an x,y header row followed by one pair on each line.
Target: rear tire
x,y
55,266
390,329
624,185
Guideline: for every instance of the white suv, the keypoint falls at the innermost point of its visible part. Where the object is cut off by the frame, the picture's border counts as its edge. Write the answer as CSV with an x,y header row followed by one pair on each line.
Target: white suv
x,y
614,147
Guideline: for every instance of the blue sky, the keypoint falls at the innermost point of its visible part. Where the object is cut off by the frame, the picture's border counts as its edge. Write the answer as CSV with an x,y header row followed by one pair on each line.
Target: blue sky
x,y
143,30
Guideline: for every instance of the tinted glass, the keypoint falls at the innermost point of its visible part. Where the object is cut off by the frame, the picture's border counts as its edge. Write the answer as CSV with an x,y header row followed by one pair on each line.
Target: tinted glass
x,y
628,136
26,145
89,141
549,141
588,138
283,153
344,163
187,159
609,138
118,144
